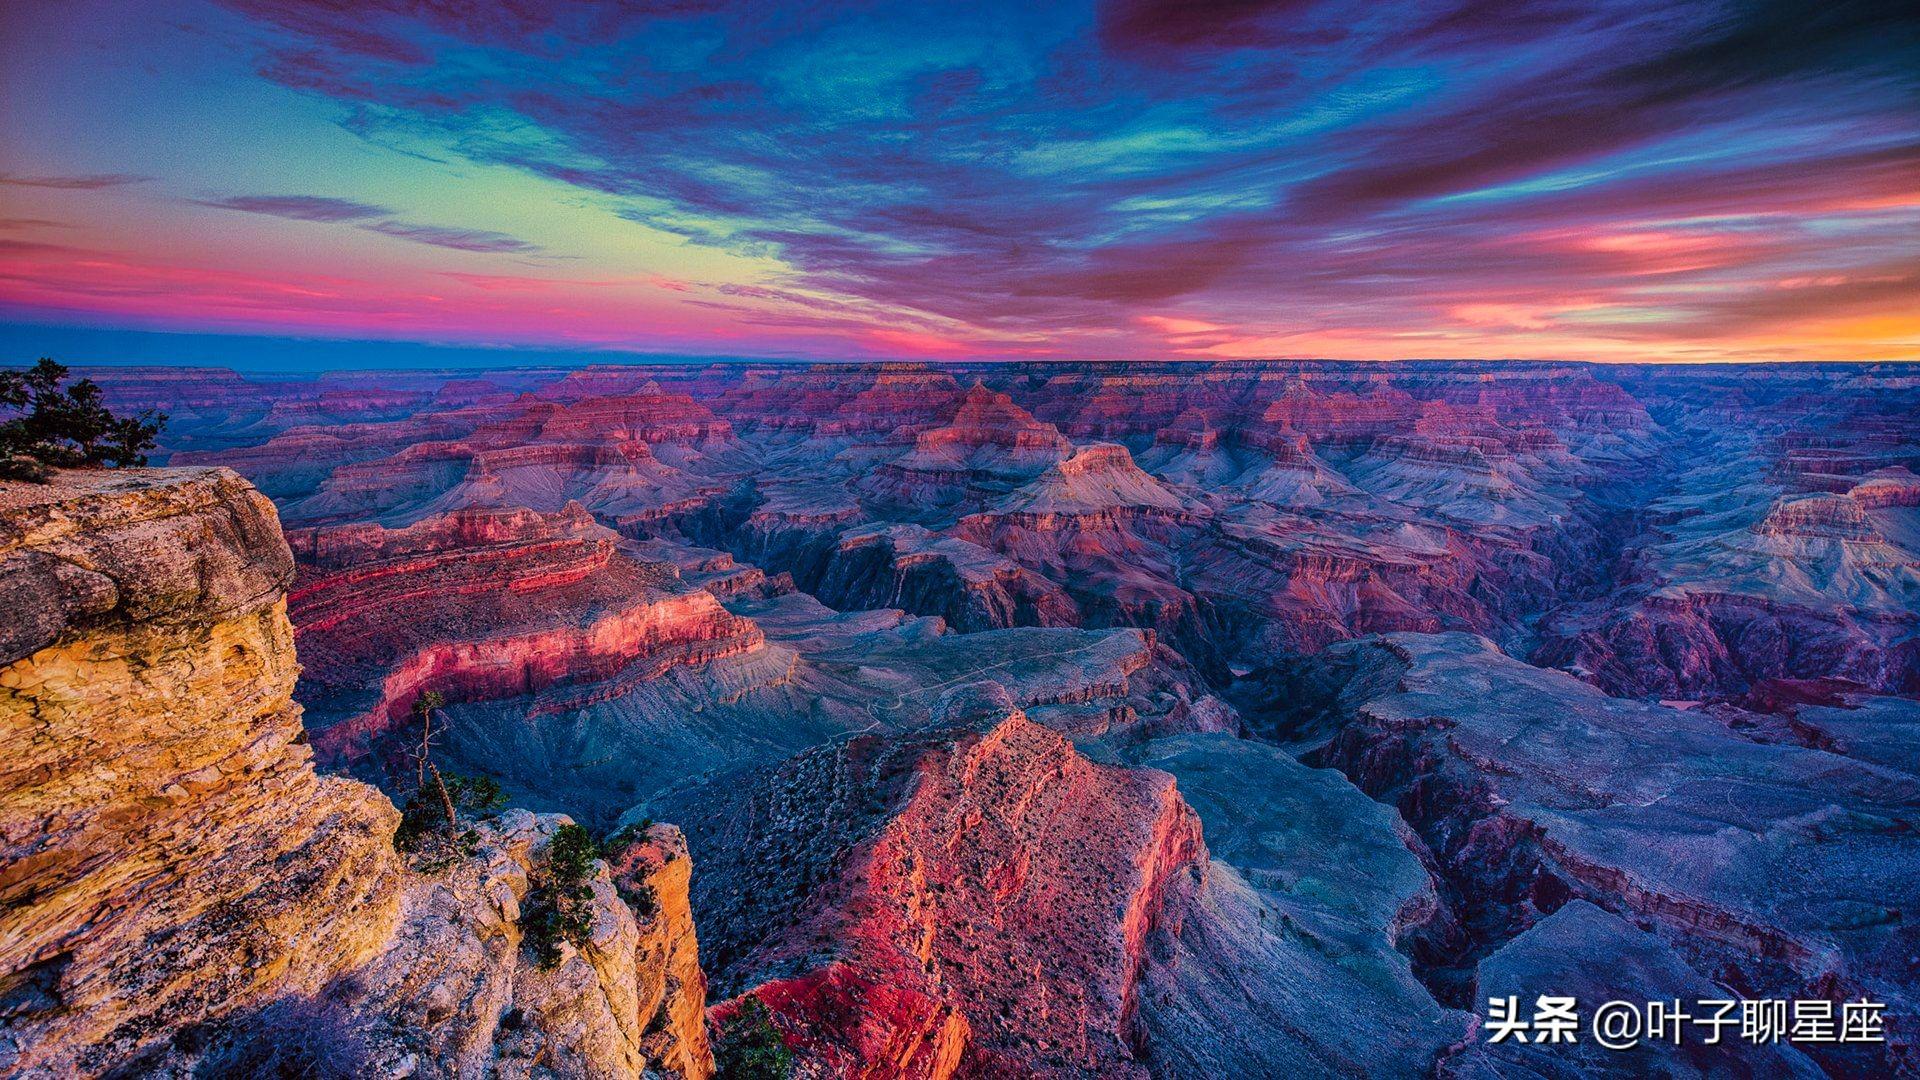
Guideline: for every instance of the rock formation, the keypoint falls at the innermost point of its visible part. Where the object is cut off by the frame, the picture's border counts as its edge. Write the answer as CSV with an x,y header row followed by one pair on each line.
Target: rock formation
x,y
973,901
1774,868
972,588
989,446
180,884
488,604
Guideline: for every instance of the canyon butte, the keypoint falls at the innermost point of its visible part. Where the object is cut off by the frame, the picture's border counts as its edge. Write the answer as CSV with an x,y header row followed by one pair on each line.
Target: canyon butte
x,y
1005,720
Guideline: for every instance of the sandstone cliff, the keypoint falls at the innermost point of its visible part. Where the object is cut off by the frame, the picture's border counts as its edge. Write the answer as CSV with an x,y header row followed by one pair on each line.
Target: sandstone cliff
x,y
176,879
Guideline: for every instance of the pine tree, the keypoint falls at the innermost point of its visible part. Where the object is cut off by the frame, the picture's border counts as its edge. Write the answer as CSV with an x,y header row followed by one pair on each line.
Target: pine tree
x,y
65,427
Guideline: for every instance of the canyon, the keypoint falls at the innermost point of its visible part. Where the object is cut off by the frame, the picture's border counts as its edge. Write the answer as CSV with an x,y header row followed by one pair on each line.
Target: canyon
x,y
1019,719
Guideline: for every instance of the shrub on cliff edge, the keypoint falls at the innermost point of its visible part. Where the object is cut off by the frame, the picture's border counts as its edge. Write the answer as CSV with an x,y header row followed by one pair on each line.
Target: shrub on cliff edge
x,y
68,427
559,907
430,822
750,1047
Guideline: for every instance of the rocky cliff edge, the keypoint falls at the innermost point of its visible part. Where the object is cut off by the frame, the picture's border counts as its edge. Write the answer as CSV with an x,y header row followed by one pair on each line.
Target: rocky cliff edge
x,y
181,892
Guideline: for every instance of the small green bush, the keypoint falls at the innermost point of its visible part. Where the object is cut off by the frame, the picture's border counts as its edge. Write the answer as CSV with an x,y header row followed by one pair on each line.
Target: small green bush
x,y
559,906
571,852
750,1047
643,899
430,829
476,795
626,836
424,829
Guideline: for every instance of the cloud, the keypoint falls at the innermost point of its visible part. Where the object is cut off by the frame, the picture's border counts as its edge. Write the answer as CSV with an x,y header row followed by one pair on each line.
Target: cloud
x,y
10,248
300,207
1015,173
329,210
1156,28
88,182
457,239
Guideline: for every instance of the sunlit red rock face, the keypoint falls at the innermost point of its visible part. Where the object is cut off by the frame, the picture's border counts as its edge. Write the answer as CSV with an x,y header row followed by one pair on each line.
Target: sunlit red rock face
x,y
980,899
974,901
486,604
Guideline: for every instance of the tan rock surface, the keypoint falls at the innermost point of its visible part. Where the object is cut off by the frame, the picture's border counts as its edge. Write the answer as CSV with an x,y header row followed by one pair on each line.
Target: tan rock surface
x,y
655,876
171,865
144,743
456,995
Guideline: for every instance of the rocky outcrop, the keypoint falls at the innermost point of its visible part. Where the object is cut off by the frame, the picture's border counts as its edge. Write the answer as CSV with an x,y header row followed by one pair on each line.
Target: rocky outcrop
x,y
990,446
1300,915
901,396
1883,488
906,566
1296,477
975,900
1558,952
794,529
1816,517
144,549
456,993
1342,418
644,415
622,456
1681,645
149,731
183,892
1099,482
1783,586
653,874
1106,534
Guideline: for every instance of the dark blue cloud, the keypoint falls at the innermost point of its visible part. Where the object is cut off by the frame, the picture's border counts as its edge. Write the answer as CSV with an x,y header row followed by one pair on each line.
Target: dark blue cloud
x,y
335,211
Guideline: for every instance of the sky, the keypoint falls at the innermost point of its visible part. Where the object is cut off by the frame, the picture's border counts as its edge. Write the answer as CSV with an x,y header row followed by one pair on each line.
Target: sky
x,y
254,181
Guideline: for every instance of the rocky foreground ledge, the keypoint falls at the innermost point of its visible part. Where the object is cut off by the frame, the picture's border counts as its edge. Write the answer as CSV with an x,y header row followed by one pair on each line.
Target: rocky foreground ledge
x,y
176,879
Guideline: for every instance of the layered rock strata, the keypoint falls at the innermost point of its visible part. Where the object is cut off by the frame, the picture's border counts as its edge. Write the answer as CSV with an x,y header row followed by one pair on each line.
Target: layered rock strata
x,y
488,604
